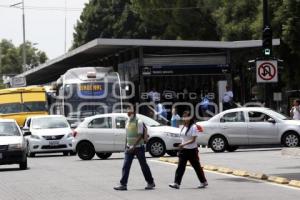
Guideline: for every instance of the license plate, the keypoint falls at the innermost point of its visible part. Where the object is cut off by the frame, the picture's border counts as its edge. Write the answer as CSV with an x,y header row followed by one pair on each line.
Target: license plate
x,y
1,156
53,143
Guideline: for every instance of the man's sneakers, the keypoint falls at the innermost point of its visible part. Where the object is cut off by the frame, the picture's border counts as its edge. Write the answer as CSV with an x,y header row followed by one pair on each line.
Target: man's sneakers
x,y
174,185
150,186
124,187
203,185
121,187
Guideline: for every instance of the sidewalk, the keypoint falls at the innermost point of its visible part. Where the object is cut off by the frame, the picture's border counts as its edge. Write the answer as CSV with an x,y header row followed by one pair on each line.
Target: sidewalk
x,y
267,161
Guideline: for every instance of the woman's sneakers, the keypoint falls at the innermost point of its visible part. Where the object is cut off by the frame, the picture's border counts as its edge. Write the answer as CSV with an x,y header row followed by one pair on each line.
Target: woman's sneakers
x,y
203,185
174,185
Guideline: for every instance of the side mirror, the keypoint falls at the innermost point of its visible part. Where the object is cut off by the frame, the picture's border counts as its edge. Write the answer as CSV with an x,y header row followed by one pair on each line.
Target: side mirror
x,y
26,133
271,120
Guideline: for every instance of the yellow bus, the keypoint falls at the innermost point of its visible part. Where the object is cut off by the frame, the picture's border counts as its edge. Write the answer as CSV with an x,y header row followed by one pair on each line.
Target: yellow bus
x,y
19,103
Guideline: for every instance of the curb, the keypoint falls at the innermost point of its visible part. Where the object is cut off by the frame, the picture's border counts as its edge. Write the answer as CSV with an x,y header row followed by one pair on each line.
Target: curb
x,y
278,180
294,183
242,173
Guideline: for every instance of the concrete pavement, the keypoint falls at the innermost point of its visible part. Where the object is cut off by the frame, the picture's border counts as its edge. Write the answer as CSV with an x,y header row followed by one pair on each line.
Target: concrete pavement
x,y
68,178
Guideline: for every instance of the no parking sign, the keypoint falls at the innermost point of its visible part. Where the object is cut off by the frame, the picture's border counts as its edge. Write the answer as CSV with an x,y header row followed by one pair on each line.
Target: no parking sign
x,y
266,71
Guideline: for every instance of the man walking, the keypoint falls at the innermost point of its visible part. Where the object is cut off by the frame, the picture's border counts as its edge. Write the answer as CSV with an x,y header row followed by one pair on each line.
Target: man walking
x,y
227,99
135,147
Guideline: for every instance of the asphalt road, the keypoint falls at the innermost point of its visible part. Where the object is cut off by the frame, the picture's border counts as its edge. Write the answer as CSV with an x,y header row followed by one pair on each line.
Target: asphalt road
x,y
69,178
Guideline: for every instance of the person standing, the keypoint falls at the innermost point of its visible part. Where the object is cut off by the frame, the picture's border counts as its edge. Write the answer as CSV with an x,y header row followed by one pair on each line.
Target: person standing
x,y
295,110
188,152
175,118
135,147
227,99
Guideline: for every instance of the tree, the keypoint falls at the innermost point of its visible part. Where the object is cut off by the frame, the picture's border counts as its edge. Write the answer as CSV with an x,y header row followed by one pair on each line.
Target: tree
x,y
11,57
107,19
177,19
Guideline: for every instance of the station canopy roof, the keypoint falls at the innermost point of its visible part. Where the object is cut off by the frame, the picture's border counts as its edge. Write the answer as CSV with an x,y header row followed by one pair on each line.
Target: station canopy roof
x,y
101,48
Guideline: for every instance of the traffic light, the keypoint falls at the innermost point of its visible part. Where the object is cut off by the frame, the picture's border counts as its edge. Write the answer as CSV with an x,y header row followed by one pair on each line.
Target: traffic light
x,y
267,41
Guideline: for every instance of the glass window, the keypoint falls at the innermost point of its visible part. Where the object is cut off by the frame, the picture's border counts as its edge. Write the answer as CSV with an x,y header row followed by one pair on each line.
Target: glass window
x,y
148,121
34,106
233,117
121,122
10,108
49,123
9,129
258,117
103,122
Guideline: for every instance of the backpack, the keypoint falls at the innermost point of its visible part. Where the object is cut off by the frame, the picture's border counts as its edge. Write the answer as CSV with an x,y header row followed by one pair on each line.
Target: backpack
x,y
145,133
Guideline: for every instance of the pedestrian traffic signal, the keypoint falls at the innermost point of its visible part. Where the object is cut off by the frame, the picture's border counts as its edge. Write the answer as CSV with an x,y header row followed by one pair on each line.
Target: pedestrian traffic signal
x,y
267,41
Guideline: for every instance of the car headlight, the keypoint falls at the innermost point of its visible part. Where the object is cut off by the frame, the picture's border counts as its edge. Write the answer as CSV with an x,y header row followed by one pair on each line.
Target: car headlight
x,y
70,135
18,146
173,135
35,137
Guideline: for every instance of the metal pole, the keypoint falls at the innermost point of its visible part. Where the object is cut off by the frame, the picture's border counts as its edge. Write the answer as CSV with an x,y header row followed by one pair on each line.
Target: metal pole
x,y
65,26
266,13
24,40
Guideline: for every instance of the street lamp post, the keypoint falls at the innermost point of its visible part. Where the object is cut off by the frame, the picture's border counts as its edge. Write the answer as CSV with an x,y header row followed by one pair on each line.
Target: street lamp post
x,y
24,38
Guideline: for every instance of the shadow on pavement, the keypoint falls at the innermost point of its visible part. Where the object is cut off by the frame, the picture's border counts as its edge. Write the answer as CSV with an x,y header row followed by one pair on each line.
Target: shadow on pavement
x,y
290,176
240,180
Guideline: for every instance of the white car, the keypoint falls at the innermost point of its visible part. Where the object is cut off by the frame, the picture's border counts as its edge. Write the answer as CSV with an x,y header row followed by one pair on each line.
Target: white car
x,y
48,134
248,126
105,134
13,147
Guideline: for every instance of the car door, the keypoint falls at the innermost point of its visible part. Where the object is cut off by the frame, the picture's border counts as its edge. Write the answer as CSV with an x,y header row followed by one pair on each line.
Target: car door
x,y
234,127
101,134
260,130
120,133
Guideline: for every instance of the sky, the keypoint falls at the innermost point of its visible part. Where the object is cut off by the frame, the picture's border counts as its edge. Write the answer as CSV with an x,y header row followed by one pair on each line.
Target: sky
x,y
44,23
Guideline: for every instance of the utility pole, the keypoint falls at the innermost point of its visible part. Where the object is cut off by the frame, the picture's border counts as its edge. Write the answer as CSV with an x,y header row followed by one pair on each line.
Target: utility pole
x,y
65,26
24,40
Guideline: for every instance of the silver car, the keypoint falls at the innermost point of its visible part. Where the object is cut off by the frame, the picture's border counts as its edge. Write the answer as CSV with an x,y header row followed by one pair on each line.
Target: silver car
x,y
248,126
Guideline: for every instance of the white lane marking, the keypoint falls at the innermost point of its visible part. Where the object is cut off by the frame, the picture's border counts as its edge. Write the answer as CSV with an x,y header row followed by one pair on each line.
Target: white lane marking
x,y
232,176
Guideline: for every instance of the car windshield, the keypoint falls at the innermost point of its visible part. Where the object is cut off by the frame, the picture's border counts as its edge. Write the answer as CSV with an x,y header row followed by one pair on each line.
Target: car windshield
x,y
148,121
9,129
279,115
49,123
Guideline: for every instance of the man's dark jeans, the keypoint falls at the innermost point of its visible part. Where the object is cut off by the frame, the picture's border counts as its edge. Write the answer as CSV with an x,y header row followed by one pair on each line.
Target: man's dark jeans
x,y
139,152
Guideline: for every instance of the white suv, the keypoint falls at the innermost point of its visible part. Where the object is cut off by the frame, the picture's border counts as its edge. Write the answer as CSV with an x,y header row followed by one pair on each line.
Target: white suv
x,y
48,134
12,144
105,134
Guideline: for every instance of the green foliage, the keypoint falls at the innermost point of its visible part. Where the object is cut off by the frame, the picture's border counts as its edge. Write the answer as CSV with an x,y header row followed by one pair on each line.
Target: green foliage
x,y
228,20
11,57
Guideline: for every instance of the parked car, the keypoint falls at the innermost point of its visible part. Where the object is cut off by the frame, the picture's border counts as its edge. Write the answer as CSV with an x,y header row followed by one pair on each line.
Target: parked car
x,y
13,147
248,126
48,134
105,134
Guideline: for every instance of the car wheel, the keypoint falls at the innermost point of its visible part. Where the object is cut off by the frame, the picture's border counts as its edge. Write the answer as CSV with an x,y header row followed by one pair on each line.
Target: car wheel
x,y
29,153
72,153
290,140
218,143
232,148
172,153
85,151
103,155
23,165
157,148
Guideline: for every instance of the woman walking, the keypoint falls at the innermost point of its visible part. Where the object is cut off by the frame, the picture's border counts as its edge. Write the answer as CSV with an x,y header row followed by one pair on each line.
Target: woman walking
x,y
188,152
